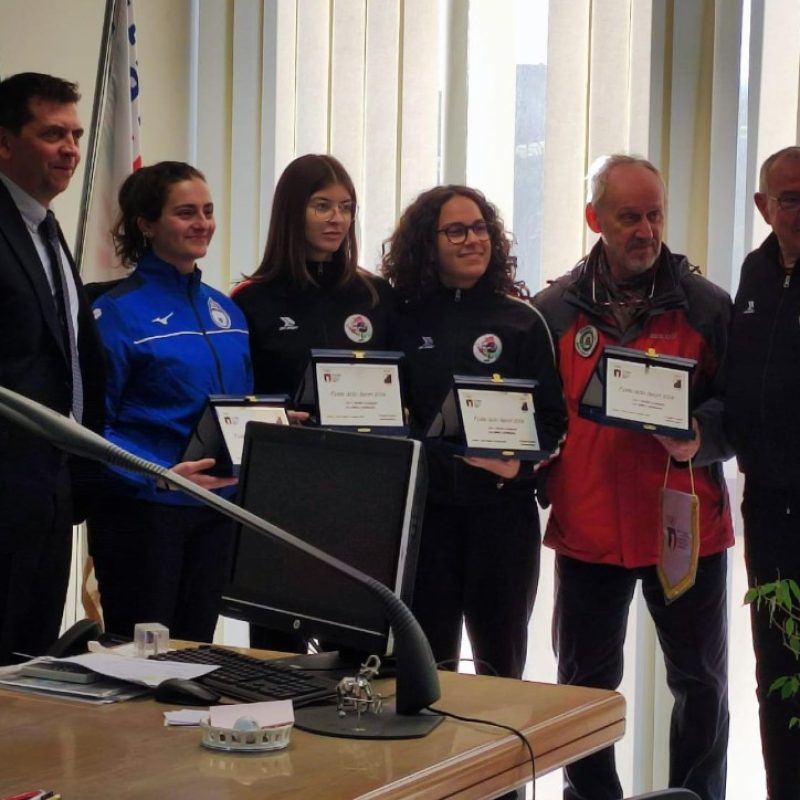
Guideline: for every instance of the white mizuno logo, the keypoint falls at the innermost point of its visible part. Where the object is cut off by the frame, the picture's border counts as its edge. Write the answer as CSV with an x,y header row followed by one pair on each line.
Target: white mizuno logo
x,y
288,324
163,320
427,343
751,307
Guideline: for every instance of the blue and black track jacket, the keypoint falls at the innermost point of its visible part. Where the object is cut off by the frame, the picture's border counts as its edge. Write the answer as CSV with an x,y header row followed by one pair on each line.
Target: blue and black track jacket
x,y
170,342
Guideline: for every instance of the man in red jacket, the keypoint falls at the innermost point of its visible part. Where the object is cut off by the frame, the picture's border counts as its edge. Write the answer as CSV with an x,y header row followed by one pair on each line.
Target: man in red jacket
x,y
605,523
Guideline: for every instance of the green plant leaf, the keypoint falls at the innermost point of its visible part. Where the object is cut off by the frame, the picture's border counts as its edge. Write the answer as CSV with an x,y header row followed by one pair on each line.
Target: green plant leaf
x,y
790,688
778,683
783,595
781,600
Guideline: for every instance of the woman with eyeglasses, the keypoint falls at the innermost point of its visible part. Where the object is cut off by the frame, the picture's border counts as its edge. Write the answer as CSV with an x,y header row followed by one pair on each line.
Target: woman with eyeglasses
x,y
464,314
309,292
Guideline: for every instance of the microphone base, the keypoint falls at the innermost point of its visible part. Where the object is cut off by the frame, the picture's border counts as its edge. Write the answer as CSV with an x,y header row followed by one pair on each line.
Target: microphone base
x,y
325,721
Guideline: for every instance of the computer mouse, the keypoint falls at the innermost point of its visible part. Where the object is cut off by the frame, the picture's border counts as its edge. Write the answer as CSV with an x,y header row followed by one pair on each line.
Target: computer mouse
x,y
182,691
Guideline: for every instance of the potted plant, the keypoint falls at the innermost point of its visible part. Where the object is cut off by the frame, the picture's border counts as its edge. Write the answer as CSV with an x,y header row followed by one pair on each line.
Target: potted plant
x,y
781,599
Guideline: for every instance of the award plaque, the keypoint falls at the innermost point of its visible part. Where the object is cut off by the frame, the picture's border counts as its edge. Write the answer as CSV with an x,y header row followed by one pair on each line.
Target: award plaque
x,y
641,390
355,390
491,417
219,433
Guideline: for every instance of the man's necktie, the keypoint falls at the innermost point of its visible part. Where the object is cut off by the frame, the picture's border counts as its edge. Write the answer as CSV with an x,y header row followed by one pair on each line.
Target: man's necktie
x,y
49,232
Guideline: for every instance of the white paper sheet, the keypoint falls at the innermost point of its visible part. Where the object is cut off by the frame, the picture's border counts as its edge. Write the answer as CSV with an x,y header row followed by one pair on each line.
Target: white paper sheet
x,y
140,670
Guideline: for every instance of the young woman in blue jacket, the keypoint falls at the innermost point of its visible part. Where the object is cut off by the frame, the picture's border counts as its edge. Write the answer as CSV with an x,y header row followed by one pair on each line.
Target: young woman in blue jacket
x,y
170,341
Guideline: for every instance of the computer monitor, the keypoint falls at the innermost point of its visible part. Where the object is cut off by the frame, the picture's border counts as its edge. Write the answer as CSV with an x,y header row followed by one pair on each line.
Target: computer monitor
x,y
355,496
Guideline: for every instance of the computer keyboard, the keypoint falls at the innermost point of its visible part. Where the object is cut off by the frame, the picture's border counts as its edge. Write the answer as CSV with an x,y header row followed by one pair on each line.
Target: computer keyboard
x,y
244,677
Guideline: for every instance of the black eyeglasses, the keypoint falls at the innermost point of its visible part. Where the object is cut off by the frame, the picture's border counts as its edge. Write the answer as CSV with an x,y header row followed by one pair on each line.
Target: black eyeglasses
x,y
326,210
457,232
787,202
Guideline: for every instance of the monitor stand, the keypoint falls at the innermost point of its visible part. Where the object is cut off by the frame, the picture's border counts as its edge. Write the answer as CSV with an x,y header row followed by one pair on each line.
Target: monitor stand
x,y
337,664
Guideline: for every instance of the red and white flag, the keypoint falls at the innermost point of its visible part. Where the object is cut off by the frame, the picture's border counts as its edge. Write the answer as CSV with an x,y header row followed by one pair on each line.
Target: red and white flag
x,y
118,150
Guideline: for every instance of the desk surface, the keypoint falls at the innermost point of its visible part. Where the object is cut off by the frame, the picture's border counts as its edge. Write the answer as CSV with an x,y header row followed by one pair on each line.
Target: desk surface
x,y
124,750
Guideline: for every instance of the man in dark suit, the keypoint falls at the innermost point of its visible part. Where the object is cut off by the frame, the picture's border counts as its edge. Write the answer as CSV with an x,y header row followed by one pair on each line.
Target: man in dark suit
x,y
49,351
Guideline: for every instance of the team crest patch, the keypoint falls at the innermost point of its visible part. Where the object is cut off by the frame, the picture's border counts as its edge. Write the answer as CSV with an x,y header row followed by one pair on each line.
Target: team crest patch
x,y
487,348
97,313
358,328
586,340
219,315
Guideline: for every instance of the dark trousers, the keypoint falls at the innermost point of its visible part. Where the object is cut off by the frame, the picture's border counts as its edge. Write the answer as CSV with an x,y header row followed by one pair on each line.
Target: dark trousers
x,y
772,550
591,614
160,563
34,578
479,563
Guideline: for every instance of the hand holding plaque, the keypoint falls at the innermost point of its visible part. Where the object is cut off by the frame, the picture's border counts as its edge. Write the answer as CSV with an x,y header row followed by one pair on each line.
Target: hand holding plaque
x,y
681,450
219,433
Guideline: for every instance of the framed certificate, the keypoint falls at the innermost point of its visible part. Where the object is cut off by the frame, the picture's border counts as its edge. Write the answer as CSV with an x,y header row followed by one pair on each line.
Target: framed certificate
x,y
641,390
355,390
492,417
219,433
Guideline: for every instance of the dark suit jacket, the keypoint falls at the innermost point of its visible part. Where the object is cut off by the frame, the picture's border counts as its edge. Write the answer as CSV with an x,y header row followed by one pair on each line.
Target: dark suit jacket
x,y
33,362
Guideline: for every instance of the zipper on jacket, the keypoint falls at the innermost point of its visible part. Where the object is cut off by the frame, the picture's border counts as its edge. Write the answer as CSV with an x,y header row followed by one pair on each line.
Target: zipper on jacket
x,y
770,344
455,333
206,338
456,326
318,312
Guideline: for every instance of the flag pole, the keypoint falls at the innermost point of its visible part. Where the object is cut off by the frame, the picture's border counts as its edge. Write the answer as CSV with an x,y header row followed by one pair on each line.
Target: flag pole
x,y
100,88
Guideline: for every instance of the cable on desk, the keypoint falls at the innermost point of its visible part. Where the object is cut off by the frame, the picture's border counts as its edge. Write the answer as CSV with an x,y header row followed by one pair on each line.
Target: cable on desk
x,y
508,728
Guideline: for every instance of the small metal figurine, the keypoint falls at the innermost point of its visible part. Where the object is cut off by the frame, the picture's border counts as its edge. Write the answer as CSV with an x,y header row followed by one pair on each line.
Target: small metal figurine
x,y
356,693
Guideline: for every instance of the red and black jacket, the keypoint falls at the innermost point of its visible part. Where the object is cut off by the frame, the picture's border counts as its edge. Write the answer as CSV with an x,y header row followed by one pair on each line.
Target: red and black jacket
x,y
604,488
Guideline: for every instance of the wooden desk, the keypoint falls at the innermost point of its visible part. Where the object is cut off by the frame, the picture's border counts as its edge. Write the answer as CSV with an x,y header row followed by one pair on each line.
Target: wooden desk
x,y
124,751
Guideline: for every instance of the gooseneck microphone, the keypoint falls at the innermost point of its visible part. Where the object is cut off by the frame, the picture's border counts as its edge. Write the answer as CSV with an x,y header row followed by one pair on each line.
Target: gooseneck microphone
x,y
417,680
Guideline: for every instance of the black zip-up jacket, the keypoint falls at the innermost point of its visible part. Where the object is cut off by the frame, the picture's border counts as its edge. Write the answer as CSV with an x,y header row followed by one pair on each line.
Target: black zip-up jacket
x,y
286,323
762,402
442,335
